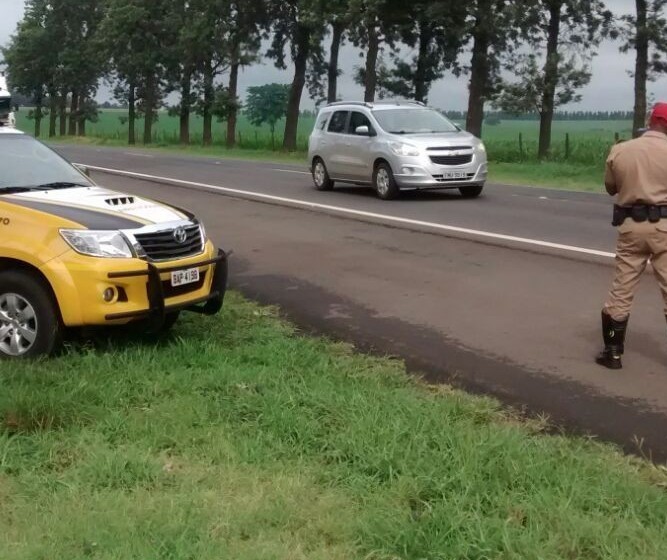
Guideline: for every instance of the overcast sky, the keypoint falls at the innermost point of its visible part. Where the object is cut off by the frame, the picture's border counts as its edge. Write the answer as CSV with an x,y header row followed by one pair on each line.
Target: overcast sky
x,y
610,89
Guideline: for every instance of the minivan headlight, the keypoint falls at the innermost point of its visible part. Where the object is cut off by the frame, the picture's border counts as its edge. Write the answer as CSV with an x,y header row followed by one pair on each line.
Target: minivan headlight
x,y
108,244
402,149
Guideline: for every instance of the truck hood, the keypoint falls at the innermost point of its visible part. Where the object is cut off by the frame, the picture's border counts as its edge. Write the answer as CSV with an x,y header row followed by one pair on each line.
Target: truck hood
x,y
99,208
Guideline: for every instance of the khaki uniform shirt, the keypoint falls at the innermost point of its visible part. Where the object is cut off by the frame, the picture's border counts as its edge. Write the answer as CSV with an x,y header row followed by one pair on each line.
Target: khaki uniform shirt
x,y
637,170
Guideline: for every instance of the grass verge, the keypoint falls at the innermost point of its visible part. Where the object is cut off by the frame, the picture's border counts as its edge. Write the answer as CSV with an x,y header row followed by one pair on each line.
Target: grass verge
x,y
565,176
239,438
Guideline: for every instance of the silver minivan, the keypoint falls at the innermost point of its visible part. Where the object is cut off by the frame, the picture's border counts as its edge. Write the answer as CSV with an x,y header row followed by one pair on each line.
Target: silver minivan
x,y
394,146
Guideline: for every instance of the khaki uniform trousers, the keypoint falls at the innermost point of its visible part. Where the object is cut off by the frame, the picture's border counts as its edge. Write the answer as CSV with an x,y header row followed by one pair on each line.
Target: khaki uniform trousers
x,y
637,243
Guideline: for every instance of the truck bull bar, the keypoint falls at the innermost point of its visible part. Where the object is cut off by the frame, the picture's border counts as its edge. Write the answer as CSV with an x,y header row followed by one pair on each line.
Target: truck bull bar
x,y
157,308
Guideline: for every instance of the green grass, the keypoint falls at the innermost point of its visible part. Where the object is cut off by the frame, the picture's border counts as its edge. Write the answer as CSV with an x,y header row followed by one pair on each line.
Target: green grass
x,y
511,162
239,438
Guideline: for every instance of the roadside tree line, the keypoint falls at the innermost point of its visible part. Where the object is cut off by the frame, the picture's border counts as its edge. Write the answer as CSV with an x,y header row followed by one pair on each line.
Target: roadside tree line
x,y
149,49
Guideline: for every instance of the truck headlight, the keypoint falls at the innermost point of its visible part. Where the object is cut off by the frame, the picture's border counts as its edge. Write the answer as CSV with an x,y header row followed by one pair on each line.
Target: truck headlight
x,y
481,147
401,149
109,244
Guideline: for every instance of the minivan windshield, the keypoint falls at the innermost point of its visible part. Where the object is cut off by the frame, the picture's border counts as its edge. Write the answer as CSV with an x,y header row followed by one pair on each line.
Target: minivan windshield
x,y
27,164
413,121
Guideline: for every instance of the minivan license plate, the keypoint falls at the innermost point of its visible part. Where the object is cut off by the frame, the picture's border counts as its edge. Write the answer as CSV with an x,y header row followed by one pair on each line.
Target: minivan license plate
x,y
182,277
455,175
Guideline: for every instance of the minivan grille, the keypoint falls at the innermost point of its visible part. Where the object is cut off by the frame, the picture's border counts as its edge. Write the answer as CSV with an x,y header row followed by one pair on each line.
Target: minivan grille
x,y
452,160
162,245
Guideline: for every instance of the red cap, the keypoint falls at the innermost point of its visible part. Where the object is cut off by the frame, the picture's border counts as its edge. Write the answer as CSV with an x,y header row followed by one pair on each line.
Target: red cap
x,y
659,113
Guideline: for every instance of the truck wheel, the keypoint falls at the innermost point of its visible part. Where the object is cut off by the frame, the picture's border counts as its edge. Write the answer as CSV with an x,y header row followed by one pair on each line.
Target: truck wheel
x,y
30,323
321,176
144,327
471,192
384,182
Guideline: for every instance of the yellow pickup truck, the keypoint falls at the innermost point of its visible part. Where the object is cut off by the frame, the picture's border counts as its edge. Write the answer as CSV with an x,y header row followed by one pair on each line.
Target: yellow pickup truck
x,y
74,254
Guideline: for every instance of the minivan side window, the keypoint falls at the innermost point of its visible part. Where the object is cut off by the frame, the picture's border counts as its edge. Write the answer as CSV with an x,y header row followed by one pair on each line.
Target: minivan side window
x,y
321,125
338,121
357,120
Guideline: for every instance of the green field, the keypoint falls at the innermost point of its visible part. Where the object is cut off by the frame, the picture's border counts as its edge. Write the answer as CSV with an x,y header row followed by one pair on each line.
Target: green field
x,y
579,168
239,438
589,140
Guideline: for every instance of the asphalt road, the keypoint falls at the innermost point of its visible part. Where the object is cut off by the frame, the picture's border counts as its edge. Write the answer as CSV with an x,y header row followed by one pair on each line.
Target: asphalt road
x,y
579,219
521,325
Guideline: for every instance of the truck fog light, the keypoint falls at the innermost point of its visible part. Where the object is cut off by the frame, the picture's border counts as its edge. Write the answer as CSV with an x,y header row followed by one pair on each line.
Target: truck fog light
x,y
407,170
109,295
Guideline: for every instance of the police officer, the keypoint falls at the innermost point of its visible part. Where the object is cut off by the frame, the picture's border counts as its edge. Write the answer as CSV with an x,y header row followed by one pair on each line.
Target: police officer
x,y
636,172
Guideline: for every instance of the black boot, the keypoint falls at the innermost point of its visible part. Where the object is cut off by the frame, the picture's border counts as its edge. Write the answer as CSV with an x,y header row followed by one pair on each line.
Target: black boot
x,y
613,334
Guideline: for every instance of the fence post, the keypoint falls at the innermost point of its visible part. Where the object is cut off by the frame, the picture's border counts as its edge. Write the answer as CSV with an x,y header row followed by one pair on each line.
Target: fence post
x,y
256,141
240,140
617,137
521,145
567,145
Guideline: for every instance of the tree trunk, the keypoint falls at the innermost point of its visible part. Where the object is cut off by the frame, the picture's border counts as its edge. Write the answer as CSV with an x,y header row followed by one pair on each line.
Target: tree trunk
x,y
184,116
74,107
149,103
371,62
53,113
641,69
81,122
550,79
233,93
479,73
209,93
421,87
300,64
62,113
332,70
132,115
38,116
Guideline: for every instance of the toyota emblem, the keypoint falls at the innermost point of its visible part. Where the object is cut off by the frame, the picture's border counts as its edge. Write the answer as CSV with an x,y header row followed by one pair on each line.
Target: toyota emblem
x,y
180,235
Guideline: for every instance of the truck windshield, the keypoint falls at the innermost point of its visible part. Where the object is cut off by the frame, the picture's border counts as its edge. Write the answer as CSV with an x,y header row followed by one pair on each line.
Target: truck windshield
x,y
5,105
413,121
26,163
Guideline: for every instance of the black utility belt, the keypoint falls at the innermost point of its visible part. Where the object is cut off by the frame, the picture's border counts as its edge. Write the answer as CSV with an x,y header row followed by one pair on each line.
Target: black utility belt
x,y
638,213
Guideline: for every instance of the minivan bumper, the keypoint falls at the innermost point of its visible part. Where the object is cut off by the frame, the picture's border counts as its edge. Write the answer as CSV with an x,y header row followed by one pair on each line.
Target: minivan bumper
x,y
420,173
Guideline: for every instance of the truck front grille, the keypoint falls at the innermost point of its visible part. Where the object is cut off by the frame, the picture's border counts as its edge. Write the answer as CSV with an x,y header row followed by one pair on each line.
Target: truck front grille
x,y
163,245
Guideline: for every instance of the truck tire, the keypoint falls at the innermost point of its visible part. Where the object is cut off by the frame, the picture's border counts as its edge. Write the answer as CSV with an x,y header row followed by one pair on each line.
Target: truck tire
x,y
144,327
30,324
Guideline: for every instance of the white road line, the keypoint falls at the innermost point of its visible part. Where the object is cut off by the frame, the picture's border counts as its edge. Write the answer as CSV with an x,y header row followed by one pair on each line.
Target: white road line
x,y
136,154
360,213
292,171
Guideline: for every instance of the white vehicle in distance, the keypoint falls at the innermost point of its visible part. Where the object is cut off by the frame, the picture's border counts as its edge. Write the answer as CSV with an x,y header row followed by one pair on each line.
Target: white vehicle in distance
x,y
394,146
6,115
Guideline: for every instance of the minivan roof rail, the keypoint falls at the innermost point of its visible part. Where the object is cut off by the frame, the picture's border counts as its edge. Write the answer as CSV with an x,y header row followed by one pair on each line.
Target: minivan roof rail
x,y
371,104
361,103
400,102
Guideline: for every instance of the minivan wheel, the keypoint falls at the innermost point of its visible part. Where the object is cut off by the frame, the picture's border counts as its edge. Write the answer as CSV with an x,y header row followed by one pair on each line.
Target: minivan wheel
x,y
472,191
29,320
384,182
321,176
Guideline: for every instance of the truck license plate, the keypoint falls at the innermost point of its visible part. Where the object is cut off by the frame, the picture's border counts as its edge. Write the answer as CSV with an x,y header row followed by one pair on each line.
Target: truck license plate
x,y
182,277
455,175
